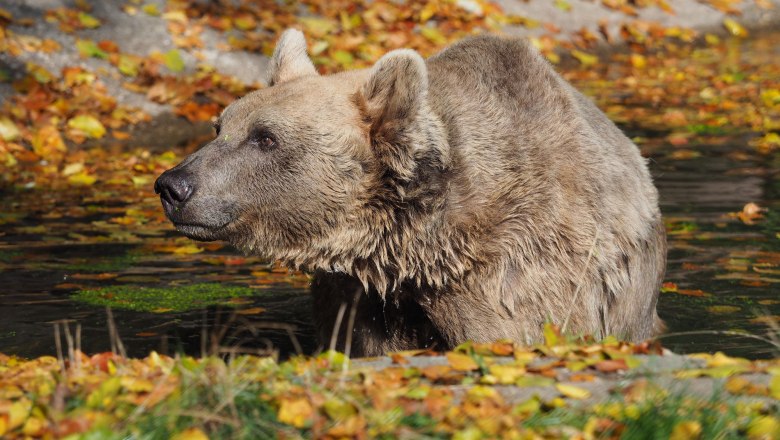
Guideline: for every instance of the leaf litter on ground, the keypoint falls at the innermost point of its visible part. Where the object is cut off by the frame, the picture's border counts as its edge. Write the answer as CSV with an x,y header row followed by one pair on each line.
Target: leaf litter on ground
x,y
419,393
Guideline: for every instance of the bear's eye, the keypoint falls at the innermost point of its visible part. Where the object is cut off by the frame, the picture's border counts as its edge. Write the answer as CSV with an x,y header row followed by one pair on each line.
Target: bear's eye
x,y
262,139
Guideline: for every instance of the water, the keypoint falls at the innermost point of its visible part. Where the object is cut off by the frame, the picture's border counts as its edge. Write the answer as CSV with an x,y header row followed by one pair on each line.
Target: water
x,y
57,240
733,264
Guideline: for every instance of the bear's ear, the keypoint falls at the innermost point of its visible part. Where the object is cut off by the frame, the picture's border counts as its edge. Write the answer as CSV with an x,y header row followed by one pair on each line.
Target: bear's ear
x,y
290,60
394,92
390,102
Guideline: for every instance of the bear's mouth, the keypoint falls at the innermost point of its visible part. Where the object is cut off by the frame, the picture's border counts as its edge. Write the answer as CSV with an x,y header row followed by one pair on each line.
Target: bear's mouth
x,y
202,232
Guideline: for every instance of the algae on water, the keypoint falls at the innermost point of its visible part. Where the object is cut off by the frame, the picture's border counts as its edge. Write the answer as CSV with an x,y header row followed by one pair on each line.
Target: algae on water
x,y
165,299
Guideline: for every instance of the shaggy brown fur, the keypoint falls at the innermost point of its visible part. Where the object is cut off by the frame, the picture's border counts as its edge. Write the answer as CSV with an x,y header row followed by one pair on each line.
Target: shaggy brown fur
x,y
475,195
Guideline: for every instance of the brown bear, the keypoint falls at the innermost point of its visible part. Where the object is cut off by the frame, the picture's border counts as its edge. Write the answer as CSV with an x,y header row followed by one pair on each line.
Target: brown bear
x,y
475,195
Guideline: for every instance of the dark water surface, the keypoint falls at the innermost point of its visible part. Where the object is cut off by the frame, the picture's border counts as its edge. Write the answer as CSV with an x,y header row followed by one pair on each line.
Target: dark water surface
x,y
56,243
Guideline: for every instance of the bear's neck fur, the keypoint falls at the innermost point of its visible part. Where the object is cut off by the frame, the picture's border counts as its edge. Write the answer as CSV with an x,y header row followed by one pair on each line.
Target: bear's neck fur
x,y
411,227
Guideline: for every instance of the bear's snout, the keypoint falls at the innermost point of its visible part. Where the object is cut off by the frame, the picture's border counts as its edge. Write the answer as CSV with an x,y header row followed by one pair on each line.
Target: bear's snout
x,y
174,187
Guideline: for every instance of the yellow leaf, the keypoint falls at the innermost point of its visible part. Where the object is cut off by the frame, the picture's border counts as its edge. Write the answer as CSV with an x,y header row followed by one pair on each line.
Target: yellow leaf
x,y
151,9
88,21
3,425
585,58
553,57
770,97
712,39
81,179
46,141
10,160
319,47
774,387
136,384
638,61
572,391
534,381
551,334
40,74
343,57
18,413
191,434
719,359
245,22
563,5
764,427
179,16
433,35
72,168
334,358
188,250
33,427
461,362
105,394
88,48
338,409
128,65
296,412
480,393
735,28
530,406
88,125
720,372
141,180
686,431
736,384
173,60
317,27
506,374
8,130
428,11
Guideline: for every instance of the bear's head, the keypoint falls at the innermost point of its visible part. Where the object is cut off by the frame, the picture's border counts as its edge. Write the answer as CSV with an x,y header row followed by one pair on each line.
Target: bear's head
x,y
318,171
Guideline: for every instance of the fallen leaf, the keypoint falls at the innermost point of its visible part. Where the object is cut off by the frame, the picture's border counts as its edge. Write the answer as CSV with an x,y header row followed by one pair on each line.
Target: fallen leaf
x,y
88,48
82,179
764,427
688,430
191,434
88,21
8,130
735,28
774,387
151,9
611,365
572,391
296,412
584,58
173,60
461,362
188,249
88,125
250,311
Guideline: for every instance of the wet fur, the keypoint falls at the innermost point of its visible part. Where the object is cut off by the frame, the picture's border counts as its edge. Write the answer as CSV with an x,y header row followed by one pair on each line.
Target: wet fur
x,y
472,196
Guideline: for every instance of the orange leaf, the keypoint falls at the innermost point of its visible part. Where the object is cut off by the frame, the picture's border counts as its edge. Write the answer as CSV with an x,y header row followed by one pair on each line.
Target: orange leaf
x,y
461,362
611,365
250,311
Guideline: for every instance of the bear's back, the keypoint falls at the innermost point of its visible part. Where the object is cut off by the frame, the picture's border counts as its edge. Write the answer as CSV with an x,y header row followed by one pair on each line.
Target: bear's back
x,y
516,127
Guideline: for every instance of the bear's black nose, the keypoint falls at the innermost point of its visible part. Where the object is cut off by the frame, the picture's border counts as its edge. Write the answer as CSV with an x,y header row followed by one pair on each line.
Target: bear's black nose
x,y
174,189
